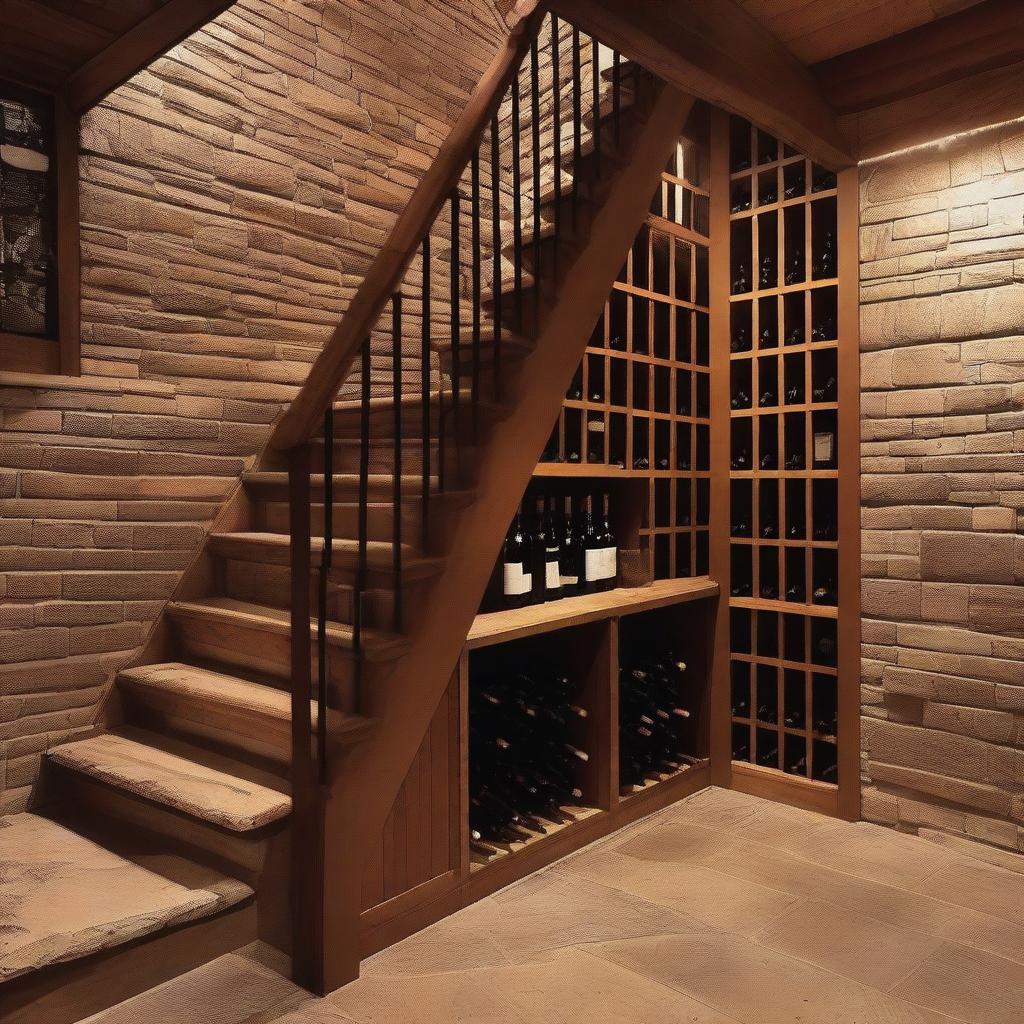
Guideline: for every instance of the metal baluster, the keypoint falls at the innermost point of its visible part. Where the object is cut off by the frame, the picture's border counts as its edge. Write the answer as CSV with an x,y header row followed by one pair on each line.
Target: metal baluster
x,y
425,396
326,561
535,112
496,251
475,243
616,94
595,88
364,479
456,322
517,205
577,124
396,476
556,89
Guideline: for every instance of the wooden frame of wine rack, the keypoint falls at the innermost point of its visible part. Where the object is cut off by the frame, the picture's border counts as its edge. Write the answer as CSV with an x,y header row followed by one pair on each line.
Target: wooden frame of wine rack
x,y
767,646
425,871
648,363
422,870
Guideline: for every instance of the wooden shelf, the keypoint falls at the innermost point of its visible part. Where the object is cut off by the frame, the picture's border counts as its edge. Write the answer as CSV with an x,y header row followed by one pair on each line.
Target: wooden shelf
x,y
554,829
664,778
500,627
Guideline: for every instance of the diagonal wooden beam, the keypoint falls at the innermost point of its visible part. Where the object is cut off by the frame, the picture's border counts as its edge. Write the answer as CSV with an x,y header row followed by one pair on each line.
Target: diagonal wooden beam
x,y
137,48
715,50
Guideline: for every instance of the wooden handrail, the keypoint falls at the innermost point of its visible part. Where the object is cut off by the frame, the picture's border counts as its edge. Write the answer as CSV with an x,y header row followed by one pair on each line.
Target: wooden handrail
x,y
304,416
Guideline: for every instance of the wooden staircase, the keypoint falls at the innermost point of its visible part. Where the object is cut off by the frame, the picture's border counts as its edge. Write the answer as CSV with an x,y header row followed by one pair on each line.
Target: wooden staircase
x,y
259,743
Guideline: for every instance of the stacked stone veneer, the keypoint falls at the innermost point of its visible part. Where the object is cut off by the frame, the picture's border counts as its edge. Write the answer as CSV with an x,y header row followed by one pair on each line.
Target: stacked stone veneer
x,y
233,195
942,491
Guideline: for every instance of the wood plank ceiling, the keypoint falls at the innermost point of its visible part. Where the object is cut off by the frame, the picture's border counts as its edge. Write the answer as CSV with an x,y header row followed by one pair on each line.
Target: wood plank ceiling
x,y
42,42
815,30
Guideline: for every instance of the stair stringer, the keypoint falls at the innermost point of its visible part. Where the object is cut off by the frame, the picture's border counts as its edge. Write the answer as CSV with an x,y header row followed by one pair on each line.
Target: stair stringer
x,y
363,790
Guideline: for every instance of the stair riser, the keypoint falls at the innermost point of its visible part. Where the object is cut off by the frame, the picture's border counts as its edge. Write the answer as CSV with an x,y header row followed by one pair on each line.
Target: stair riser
x,y
239,855
227,730
266,584
273,517
259,650
381,457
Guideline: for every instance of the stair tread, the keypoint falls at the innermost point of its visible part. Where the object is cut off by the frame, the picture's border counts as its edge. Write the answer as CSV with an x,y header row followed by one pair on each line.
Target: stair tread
x,y
65,897
409,399
205,688
175,782
261,616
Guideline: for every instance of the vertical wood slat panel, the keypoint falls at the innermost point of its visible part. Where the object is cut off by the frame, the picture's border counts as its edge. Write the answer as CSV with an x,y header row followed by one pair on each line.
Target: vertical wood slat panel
x,y
415,845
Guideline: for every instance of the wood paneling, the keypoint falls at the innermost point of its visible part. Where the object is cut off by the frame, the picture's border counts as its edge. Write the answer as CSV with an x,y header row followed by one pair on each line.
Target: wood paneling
x,y
817,29
719,53
43,41
953,75
416,845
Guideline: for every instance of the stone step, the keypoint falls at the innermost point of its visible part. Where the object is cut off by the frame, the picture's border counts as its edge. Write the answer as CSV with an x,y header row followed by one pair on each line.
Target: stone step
x,y
195,701
64,897
173,782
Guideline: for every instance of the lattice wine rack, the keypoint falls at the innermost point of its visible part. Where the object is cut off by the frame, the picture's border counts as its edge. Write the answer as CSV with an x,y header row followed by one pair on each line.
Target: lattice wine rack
x,y
639,405
784,457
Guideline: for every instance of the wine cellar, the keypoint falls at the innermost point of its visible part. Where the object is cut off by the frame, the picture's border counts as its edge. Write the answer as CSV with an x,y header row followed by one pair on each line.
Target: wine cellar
x,y
556,461
703,437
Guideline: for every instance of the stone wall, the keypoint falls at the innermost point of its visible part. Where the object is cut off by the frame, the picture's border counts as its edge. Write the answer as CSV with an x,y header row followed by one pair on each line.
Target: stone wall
x,y
942,336
233,195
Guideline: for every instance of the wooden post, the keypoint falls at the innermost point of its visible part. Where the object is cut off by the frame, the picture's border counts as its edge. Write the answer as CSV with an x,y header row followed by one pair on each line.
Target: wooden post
x,y
849,626
721,709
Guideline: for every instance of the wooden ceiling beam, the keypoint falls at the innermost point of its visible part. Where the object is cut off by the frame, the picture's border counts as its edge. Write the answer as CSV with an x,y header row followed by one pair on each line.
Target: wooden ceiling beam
x,y
715,50
982,38
137,48
952,75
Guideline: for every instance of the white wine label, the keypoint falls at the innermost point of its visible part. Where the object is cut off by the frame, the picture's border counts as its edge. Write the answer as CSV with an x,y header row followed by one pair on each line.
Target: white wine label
x,y
569,581
823,446
593,570
611,563
552,579
516,580
595,426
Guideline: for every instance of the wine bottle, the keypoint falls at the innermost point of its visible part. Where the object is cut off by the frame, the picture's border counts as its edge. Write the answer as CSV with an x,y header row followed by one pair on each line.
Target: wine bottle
x,y
741,460
569,556
767,279
826,392
610,557
740,340
552,554
740,282
538,553
740,399
516,566
795,266
826,261
593,551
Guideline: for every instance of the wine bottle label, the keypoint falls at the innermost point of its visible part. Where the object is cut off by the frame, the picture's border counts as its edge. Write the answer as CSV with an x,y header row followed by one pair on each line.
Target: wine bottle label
x,y
823,446
568,581
594,565
517,580
552,577
595,426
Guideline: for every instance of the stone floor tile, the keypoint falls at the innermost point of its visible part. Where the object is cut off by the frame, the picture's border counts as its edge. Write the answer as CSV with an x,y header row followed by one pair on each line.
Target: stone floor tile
x,y
232,989
569,988
903,908
757,985
716,900
980,886
968,984
849,944
550,910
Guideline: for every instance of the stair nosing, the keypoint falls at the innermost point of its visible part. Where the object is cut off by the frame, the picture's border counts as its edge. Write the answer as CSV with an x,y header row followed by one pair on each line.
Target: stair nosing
x,y
276,805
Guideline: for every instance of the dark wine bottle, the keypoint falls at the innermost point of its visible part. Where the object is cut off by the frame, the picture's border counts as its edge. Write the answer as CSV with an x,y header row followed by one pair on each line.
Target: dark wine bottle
x,y
610,557
593,548
538,554
570,556
552,554
516,566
